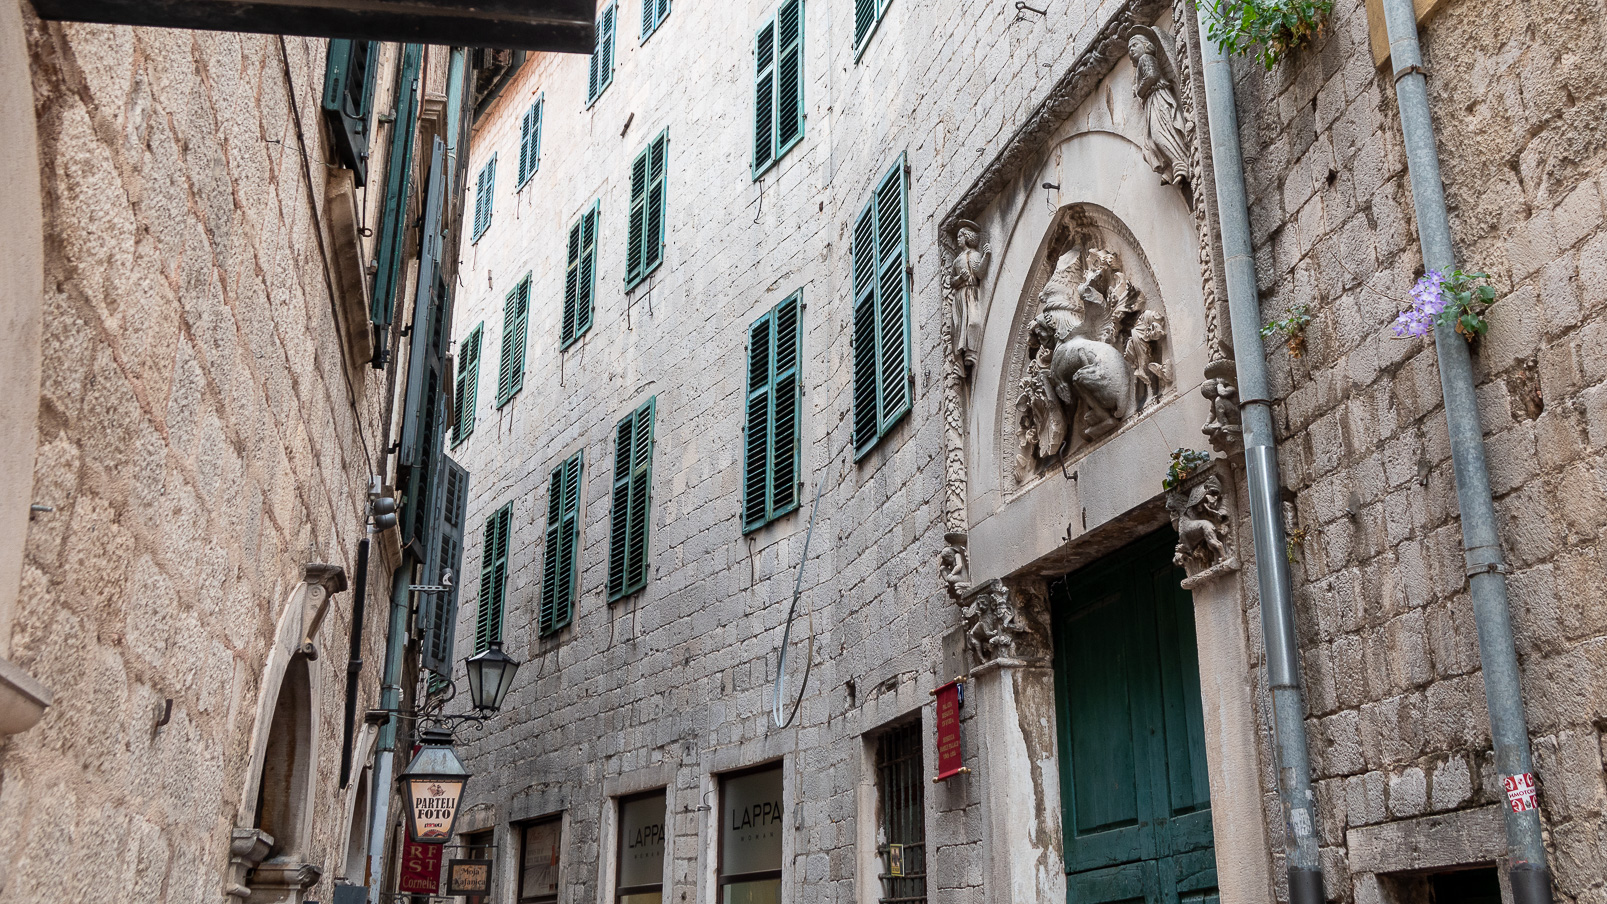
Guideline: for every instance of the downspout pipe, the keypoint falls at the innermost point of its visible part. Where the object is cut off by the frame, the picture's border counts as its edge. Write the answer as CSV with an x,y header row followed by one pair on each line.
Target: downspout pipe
x,y
1261,465
390,701
354,663
1481,545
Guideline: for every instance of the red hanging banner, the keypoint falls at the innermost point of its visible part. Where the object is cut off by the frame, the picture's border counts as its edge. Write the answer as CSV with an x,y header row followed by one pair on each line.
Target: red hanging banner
x,y
421,868
949,698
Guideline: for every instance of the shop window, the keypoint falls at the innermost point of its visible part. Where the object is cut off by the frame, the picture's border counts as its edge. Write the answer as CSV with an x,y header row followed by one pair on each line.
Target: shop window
x,y
478,846
640,875
750,837
539,847
901,814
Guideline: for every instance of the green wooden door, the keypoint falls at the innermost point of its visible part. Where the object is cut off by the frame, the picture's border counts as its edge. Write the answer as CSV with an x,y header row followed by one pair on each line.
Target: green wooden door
x,y
1134,791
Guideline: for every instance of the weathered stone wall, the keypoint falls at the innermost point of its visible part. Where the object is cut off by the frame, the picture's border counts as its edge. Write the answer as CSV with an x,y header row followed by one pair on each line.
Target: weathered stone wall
x,y
203,434
1399,726
673,684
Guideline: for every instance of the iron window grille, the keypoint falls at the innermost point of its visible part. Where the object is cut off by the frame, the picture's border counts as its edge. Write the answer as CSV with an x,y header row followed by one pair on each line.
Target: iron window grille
x,y
901,791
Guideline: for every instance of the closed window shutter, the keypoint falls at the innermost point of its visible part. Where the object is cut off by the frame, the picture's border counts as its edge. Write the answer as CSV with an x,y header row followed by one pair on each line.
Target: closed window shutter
x,y
789,75
511,366
787,402
630,516
756,439
658,160
864,17
349,70
881,312
602,56
566,333
445,567
493,578
653,13
774,407
530,141
764,98
432,310
563,538
636,232
398,185
580,277
468,384
484,192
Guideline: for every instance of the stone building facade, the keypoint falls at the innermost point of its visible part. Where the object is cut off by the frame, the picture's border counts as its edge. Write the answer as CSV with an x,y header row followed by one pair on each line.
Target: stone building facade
x,y
196,408
1066,332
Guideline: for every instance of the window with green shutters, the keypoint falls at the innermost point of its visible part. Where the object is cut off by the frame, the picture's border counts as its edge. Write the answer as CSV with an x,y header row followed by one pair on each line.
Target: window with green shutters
x,y
511,365
530,141
778,104
348,103
463,398
484,190
644,248
580,276
558,569
629,516
774,409
601,74
653,13
883,381
393,219
867,14
493,578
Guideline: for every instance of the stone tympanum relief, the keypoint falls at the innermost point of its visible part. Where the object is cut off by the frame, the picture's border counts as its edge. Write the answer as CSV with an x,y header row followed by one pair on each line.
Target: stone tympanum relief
x,y
1096,351
1169,135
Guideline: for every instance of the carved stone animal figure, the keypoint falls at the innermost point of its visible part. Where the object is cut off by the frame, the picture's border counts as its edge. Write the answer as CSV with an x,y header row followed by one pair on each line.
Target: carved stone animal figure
x,y
1198,538
1086,370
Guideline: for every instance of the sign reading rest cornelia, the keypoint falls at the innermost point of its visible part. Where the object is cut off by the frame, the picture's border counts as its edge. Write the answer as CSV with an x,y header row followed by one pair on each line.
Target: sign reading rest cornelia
x,y
421,868
949,697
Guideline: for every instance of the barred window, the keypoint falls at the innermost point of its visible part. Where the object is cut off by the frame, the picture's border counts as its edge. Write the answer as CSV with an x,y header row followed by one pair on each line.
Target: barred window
x,y
901,830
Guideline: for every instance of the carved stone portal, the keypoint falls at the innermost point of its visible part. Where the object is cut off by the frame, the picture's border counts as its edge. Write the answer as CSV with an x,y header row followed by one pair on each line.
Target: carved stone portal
x,y
1004,623
1096,354
1199,509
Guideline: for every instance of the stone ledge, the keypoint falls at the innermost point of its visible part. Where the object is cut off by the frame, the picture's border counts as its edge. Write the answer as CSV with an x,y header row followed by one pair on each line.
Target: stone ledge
x,y
1429,842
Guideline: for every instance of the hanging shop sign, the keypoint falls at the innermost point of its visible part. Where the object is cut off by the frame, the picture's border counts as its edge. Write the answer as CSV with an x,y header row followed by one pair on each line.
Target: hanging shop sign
x,y
950,697
421,868
564,26
468,877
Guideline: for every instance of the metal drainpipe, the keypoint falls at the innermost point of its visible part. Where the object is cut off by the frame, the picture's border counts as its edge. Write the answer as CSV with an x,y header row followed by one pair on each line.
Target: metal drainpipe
x,y
1486,570
390,700
1261,464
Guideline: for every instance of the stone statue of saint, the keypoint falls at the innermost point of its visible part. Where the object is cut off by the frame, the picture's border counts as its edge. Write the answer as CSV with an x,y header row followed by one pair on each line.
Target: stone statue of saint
x,y
1167,148
964,284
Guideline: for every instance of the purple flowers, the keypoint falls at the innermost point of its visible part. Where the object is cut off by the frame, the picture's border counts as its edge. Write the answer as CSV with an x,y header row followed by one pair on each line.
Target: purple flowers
x,y
1428,303
1449,296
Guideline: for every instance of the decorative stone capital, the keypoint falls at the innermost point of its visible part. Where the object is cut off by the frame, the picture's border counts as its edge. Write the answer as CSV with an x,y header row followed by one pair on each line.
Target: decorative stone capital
x,y
247,847
1203,517
288,873
1002,623
330,577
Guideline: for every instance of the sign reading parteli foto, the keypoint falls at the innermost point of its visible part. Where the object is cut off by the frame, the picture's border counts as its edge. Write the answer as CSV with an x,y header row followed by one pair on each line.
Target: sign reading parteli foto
x,y
949,698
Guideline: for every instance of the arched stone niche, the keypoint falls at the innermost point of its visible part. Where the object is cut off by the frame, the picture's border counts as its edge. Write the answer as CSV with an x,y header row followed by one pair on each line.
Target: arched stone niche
x,y
1105,195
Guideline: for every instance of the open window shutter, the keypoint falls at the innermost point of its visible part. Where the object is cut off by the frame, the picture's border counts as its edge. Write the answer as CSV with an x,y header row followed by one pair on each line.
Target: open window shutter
x,y
867,394
468,384
787,403
563,534
566,332
764,97
527,140
348,100
493,578
398,184
445,566
658,159
535,136
619,506
756,438
588,268
641,493
425,358
510,370
637,229
789,74
891,298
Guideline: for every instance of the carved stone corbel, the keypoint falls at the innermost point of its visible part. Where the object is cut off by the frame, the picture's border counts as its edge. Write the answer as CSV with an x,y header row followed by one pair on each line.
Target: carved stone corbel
x,y
319,582
247,847
1224,429
956,563
1201,515
1005,625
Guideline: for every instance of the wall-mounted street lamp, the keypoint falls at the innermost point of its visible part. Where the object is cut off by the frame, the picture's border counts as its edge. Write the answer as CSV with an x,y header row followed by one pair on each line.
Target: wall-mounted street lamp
x,y
490,675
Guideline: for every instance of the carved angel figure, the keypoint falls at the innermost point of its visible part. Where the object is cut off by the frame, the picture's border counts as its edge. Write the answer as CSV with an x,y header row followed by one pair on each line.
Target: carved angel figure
x,y
964,282
1167,148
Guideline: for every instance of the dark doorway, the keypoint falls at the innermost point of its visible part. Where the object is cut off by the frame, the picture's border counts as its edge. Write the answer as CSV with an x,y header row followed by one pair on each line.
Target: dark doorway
x,y
1134,790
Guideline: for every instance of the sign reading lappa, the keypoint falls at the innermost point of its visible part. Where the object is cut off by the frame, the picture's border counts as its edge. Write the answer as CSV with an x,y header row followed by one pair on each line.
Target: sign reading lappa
x,y
949,699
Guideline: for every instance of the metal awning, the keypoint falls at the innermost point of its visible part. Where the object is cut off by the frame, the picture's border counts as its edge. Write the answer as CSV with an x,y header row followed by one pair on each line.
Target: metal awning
x,y
564,26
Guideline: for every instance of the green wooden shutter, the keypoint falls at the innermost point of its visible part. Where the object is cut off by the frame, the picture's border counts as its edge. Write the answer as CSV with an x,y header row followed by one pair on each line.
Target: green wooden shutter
x,y
444,565
789,75
468,385
644,246
563,538
764,98
349,99
774,408
865,14
511,366
493,578
393,215
601,74
580,276
653,13
530,141
637,230
630,514
484,193
882,375
426,352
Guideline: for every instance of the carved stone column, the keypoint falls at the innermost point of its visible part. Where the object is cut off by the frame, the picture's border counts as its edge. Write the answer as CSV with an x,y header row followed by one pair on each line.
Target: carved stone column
x,y
1018,770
